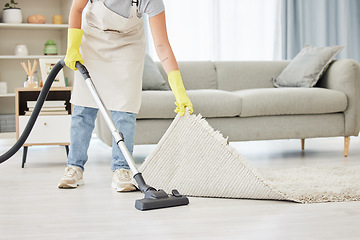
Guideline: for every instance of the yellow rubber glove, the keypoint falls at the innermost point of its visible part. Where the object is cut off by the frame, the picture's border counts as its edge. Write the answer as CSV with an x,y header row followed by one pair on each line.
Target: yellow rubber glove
x,y
73,45
182,99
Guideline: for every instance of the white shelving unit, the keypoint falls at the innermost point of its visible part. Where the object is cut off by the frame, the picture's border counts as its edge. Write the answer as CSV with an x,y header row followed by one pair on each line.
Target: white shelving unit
x,y
7,95
50,129
30,57
34,36
32,26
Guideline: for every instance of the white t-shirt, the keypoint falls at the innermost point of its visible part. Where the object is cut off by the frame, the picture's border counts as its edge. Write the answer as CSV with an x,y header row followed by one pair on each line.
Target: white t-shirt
x,y
123,7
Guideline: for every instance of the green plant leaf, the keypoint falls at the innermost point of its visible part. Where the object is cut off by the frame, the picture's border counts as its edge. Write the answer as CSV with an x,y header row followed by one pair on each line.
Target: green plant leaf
x,y
7,5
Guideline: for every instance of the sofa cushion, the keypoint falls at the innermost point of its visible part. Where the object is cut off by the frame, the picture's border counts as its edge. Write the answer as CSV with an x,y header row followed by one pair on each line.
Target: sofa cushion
x,y
208,102
240,75
287,101
152,78
307,67
196,75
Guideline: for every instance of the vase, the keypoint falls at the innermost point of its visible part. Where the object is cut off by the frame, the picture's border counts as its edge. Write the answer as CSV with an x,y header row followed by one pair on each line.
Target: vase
x,y
57,19
12,15
21,50
50,48
3,87
31,82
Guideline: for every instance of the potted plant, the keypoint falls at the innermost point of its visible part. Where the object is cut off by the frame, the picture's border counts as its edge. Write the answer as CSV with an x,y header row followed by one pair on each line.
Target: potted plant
x,y
11,13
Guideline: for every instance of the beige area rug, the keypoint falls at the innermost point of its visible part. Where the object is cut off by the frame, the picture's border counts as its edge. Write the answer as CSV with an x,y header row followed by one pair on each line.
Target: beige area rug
x,y
197,160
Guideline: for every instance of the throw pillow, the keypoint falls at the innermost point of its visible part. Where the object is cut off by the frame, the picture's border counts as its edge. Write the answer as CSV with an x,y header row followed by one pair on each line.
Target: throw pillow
x,y
152,78
307,67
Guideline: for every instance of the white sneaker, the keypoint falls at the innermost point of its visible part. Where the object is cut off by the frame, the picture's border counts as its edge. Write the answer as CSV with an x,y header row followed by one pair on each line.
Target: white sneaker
x,y
121,181
72,178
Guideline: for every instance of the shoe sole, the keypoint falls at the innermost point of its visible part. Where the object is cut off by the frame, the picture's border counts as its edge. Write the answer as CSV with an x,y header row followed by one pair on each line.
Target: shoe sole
x,y
69,185
126,187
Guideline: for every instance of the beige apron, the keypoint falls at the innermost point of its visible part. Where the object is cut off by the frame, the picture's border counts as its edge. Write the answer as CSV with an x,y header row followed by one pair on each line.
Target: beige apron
x,y
113,49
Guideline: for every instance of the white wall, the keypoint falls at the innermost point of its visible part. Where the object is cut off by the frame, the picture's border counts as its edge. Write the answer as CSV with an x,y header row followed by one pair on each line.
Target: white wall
x,y
221,29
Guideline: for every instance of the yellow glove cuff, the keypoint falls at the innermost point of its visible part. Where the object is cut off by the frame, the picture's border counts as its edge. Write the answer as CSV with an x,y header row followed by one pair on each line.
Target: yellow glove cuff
x,y
74,38
177,86
73,45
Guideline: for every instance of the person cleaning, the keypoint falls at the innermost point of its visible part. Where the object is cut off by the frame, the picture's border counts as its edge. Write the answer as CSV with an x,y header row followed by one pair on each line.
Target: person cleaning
x,y
110,42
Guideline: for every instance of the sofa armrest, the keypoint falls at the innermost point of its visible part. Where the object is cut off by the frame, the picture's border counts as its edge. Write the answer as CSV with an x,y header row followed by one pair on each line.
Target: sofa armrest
x,y
344,75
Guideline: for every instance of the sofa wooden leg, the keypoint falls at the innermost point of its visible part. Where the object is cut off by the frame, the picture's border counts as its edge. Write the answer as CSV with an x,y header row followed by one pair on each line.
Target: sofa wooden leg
x,y
302,143
346,147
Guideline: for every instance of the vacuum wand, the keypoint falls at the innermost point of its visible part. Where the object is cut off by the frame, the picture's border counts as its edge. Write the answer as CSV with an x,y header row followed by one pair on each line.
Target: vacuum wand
x,y
153,198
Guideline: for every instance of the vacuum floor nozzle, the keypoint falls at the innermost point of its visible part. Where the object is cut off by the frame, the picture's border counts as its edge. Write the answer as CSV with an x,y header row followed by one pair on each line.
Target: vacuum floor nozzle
x,y
155,199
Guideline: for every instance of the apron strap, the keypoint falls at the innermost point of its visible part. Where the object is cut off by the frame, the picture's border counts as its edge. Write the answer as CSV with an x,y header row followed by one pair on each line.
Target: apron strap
x,y
136,1
91,1
132,3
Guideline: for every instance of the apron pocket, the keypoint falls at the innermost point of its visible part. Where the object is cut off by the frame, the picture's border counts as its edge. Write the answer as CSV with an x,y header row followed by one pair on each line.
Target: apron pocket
x,y
91,28
122,33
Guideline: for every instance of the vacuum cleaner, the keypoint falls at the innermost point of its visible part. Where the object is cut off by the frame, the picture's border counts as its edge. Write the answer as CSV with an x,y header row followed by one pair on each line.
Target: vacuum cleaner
x,y
154,198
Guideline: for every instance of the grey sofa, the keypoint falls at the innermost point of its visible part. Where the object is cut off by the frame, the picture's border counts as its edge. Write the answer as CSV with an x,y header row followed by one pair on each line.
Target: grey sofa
x,y
239,100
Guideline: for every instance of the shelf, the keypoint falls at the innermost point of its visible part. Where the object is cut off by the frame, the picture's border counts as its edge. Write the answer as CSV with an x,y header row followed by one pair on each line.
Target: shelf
x,y
10,57
33,26
7,95
34,36
22,89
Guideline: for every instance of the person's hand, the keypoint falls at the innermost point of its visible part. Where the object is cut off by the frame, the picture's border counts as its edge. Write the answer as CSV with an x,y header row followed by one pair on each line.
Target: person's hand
x,y
182,99
73,45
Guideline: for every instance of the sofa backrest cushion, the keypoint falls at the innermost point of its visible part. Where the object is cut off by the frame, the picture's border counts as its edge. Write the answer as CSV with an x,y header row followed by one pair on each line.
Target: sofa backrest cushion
x,y
239,75
152,78
196,74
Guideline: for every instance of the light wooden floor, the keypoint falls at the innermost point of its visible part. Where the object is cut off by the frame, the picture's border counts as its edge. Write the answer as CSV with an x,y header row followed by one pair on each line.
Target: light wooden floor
x,y
32,207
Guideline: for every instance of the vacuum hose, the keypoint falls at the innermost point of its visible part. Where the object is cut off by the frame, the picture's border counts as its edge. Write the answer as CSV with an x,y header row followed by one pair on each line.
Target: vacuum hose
x,y
39,103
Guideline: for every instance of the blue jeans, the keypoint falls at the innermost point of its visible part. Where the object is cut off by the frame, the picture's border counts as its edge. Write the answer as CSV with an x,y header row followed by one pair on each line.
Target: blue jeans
x,y
82,126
